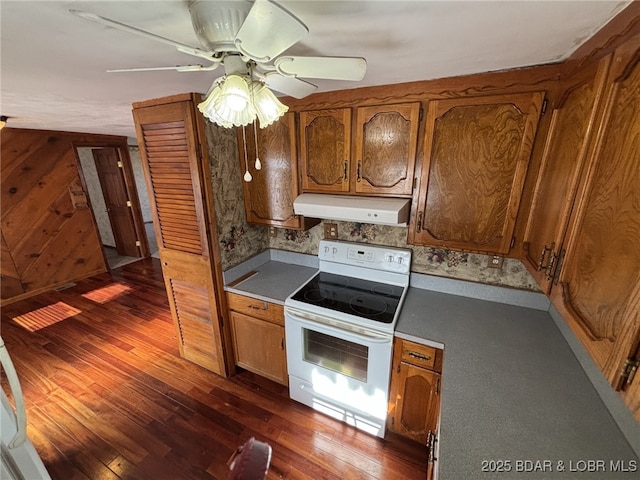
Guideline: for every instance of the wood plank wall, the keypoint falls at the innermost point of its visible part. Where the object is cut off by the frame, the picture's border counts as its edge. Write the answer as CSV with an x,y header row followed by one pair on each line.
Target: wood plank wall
x,y
49,236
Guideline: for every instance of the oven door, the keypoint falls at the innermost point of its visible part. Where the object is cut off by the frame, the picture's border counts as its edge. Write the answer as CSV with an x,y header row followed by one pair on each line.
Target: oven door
x,y
339,370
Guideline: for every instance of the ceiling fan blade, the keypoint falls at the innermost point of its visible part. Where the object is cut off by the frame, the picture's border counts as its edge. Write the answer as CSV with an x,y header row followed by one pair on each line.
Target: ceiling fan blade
x,y
294,87
331,68
179,68
268,31
196,52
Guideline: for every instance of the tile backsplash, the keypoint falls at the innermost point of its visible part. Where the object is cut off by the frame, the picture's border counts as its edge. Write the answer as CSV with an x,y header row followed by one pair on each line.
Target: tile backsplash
x,y
240,240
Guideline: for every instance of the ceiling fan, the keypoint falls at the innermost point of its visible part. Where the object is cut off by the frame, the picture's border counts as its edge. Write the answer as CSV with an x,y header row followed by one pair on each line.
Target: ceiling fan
x,y
248,38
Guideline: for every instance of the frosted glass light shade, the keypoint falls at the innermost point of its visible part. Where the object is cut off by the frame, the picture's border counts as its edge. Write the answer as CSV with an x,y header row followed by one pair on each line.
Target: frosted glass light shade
x,y
234,94
207,108
268,107
235,103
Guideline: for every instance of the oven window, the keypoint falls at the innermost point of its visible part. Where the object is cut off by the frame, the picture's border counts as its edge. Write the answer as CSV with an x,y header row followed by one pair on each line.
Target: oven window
x,y
336,354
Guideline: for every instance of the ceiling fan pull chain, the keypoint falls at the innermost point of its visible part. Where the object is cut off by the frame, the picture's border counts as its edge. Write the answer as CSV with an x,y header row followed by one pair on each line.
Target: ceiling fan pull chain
x,y
255,136
247,175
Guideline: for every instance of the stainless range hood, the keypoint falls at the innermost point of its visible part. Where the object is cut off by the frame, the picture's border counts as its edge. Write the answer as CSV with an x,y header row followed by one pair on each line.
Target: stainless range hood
x,y
378,210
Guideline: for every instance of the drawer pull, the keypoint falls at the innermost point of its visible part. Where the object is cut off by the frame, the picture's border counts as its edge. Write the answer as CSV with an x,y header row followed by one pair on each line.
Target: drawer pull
x,y
419,356
265,306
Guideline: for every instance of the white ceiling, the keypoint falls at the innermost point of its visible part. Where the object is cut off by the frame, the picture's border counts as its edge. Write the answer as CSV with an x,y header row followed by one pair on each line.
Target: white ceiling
x,y
53,63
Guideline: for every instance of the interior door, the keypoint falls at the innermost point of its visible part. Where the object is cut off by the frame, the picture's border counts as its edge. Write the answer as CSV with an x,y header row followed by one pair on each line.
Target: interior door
x,y
178,180
117,201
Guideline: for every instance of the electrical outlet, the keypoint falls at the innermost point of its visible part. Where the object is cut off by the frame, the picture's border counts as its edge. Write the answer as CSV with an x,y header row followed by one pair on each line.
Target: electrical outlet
x,y
331,230
273,232
495,261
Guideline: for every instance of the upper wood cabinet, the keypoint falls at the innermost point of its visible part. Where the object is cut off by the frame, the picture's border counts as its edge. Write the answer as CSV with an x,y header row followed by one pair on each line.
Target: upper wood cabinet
x,y
599,266
476,154
564,153
268,198
325,146
386,139
377,158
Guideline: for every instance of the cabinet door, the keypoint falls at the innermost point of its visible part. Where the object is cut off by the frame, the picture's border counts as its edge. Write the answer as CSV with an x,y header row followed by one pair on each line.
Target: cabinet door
x,y
476,154
325,146
601,266
269,197
562,163
385,145
259,346
417,402
176,180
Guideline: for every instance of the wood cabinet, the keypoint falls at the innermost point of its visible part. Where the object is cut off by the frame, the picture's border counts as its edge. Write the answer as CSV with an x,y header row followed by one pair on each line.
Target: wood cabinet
x,y
476,154
257,329
376,158
325,150
563,159
414,399
268,198
170,132
585,221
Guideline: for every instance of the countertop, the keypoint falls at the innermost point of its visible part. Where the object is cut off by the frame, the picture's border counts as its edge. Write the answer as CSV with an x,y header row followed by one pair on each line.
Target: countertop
x,y
512,390
273,281
513,393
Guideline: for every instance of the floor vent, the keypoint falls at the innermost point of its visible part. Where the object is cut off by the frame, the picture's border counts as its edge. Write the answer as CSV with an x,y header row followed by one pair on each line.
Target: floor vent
x,y
65,286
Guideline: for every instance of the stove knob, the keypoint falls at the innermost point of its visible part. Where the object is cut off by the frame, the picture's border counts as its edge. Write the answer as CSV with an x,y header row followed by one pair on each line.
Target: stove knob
x,y
335,250
326,249
400,260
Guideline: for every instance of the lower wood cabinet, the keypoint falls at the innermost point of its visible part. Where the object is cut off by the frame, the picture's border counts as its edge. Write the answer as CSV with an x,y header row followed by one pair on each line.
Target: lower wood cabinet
x,y
414,400
257,330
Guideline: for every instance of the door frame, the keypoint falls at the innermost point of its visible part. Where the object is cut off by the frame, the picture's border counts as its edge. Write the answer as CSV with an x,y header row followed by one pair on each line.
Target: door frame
x,y
122,150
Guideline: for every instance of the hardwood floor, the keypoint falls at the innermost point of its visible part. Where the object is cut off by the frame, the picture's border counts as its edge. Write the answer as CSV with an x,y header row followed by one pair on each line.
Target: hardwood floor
x,y
109,397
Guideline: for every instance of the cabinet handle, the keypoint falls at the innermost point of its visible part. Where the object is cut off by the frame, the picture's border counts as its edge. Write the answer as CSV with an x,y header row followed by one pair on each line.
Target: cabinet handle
x,y
419,356
419,224
345,178
264,306
282,344
358,178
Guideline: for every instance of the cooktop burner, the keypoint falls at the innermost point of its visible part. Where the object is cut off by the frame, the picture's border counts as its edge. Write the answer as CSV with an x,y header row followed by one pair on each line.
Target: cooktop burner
x,y
355,296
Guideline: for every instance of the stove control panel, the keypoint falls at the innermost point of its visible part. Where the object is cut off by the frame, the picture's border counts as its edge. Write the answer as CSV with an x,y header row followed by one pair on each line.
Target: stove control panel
x,y
371,256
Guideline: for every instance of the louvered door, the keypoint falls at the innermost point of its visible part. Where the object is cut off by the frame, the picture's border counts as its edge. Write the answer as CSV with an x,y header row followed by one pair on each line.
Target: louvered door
x,y
180,199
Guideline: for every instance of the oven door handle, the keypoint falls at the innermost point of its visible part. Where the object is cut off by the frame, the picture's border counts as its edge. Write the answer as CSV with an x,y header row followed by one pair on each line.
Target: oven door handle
x,y
339,328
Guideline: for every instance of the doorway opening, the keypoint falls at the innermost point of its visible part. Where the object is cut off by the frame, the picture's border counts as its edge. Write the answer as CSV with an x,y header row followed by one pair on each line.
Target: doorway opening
x,y
112,177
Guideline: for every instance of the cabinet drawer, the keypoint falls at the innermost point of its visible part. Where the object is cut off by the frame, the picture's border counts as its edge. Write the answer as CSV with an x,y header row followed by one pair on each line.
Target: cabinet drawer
x,y
270,312
421,355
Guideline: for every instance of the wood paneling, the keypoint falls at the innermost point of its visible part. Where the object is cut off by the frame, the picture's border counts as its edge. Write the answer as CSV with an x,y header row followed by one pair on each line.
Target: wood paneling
x,y
9,277
109,397
51,241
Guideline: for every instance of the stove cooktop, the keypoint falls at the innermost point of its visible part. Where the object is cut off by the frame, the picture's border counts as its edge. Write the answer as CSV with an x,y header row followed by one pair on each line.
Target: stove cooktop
x,y
374,301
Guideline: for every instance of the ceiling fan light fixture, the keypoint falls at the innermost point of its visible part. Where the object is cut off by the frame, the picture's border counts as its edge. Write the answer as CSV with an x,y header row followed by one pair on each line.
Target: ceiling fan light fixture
x,y
268,107
234,94
208,109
